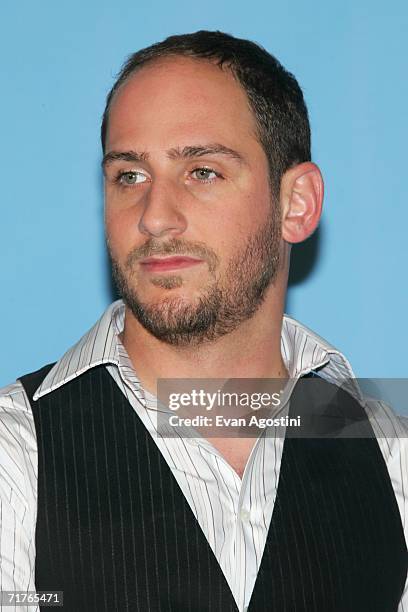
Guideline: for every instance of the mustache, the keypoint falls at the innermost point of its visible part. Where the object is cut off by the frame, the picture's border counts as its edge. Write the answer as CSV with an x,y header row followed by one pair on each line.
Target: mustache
x,y
173,247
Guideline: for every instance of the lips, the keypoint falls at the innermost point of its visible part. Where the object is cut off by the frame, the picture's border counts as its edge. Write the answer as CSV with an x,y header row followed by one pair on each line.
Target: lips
x,y
153,264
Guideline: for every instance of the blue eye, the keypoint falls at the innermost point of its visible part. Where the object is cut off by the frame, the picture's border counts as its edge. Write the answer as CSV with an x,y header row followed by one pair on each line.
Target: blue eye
x,y
131,178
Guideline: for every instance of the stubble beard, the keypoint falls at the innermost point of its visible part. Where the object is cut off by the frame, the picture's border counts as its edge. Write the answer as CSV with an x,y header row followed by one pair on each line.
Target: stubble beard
x,y
223,306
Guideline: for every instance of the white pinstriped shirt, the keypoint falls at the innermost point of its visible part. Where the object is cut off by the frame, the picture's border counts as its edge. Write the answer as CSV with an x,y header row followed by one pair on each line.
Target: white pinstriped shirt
x,y
233,514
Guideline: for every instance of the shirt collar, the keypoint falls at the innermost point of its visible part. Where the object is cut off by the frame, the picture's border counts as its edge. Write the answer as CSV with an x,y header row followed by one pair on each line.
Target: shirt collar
x,y
302,350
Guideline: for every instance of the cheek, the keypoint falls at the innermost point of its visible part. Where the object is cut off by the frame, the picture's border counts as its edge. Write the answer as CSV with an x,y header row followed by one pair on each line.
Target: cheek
x,y
121,231
244,218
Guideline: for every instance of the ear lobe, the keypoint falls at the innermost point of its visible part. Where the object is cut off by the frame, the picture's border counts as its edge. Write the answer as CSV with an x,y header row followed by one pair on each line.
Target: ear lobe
x,y
301,200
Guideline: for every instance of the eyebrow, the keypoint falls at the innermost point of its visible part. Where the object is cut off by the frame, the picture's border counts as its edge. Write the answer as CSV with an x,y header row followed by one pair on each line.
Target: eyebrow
x,y
175,153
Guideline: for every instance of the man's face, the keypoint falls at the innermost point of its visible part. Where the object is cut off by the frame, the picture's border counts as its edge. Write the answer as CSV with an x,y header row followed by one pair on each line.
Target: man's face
x,y
186,176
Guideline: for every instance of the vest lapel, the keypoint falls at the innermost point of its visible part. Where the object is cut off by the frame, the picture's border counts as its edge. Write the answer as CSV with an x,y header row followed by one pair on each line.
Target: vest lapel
x,y
114,531
336,541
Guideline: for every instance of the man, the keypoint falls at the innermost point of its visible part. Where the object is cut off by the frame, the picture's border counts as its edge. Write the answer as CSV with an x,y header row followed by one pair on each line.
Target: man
x,y
208,183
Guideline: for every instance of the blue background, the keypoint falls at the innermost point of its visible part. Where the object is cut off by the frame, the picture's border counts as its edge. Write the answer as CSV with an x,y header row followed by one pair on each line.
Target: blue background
x,y
58,61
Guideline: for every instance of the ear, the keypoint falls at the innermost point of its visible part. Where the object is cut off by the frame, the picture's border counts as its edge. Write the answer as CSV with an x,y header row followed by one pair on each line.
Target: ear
x,y
301,201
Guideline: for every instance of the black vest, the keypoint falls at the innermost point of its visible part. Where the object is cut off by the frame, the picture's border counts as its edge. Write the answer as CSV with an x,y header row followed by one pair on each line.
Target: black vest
x,y
115,533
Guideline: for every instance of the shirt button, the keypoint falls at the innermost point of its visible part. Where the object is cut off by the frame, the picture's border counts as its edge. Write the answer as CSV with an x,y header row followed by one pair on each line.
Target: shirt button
x,y
244,514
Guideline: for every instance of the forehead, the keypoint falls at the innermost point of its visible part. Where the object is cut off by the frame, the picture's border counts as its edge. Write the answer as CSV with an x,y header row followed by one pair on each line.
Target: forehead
x,y
176,97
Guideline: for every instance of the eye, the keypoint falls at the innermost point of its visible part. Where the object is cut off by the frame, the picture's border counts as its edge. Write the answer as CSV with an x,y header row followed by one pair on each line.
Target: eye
x,y
205,175
131,177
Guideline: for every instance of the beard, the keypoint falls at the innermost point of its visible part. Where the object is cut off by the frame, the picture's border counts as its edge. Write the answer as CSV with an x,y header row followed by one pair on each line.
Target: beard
x,y
228,301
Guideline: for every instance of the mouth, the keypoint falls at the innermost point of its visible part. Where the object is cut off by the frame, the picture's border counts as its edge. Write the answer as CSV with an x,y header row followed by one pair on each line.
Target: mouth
x,y
163,264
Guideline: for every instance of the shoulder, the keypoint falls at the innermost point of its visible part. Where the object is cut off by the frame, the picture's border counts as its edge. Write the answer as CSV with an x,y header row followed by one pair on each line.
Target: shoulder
x,y
391,430
18,453
15,417
385,421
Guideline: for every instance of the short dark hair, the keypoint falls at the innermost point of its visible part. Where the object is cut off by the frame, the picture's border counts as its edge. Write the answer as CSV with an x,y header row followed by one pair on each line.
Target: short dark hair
x,y
274,95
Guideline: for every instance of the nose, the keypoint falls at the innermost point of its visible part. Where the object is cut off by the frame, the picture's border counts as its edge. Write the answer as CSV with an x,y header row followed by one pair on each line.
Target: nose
x,y
162,214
